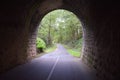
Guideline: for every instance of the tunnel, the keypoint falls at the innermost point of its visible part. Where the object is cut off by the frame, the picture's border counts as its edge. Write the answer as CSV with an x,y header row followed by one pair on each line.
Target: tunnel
x,y
19,21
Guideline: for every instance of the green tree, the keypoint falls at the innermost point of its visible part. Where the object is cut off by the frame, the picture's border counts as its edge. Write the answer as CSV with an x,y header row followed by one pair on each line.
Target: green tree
x,y
60,26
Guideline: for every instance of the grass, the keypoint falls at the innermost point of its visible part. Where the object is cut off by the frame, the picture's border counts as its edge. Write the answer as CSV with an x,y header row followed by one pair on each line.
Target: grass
x,y
50,49
73,51
47,50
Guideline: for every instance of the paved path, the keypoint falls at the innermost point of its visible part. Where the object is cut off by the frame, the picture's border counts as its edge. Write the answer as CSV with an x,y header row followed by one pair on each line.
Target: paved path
x,y
58,65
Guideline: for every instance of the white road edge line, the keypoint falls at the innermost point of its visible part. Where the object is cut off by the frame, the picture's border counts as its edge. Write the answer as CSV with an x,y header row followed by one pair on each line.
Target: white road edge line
x,y
51,72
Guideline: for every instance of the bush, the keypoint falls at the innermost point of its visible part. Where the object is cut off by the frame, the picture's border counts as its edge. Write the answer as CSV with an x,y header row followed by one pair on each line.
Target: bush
x,y
40,44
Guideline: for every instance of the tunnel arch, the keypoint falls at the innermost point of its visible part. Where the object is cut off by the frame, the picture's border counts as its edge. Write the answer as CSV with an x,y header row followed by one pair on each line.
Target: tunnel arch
x,y
100,20
81,11
37,17
25,20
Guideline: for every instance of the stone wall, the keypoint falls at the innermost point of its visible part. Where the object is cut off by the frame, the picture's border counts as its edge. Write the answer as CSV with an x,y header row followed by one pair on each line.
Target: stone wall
x,y
13,46
14,40
101,41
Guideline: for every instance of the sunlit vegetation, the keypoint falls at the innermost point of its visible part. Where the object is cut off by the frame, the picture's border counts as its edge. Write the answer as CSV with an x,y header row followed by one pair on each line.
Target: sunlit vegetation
x,y
74,52
61,26
40,44
50,49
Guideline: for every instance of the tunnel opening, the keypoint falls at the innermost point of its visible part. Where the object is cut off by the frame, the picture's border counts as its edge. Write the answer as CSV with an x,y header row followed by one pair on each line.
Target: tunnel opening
x,y
88,36
60,26
37,16
59,58
40,10
33,17
100,20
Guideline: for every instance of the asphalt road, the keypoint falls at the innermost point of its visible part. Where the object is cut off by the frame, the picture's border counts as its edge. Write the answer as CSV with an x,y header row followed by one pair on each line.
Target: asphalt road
x,y
57,65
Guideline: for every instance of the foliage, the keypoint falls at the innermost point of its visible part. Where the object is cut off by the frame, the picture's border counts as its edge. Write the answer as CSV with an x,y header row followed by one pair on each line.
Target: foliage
x,y
60,26
40,43
74,52
50,49
78,43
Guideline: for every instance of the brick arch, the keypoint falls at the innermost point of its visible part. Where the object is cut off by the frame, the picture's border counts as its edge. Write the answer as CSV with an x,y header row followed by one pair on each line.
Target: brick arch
x,y
98,34
42,9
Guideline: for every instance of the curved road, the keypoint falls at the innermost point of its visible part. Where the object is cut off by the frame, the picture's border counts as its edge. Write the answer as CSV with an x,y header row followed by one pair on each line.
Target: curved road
x,y
57,65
